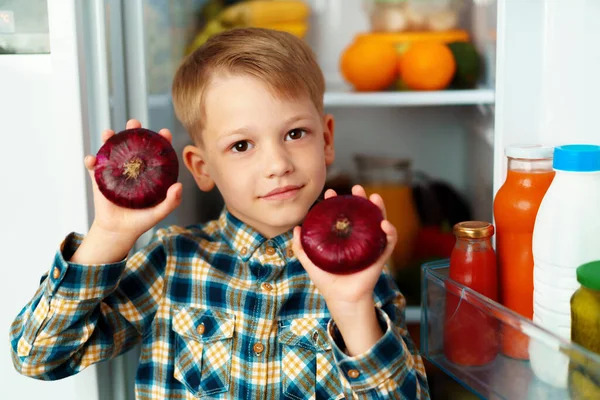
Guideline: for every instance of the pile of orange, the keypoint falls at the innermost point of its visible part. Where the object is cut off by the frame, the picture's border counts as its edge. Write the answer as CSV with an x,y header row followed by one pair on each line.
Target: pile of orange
x,y
373,65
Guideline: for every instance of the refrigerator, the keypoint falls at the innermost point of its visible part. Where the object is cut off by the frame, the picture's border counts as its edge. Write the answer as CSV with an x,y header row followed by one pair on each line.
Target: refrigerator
x,y
112,60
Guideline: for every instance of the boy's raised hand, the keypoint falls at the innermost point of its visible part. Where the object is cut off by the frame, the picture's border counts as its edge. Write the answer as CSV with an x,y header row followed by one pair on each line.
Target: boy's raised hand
x,y
344,291
123,222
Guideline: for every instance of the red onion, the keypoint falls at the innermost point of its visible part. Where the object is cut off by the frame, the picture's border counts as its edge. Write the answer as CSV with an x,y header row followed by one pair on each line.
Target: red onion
x,y
343,234
135,168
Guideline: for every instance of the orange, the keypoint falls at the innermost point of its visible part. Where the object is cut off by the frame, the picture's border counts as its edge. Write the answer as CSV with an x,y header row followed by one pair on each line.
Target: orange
x,y
370,65
427,66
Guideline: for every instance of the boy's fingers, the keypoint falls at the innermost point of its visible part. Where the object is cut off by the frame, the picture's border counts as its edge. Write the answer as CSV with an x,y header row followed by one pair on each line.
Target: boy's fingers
x,y
166,134
358,190
297,246
107,134
378,201
133,124
170,203
330,193
391,237
89,162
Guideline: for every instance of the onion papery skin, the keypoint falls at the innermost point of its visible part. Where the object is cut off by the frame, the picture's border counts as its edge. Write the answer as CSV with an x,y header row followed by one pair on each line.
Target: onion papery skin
x,y
342,234
135,168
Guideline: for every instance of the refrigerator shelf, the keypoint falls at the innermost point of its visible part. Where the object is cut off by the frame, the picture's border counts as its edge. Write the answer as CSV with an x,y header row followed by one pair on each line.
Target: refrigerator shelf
x,y
343,97
504,377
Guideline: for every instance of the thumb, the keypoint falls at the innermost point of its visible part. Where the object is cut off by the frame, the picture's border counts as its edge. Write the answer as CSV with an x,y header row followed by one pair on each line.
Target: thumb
x,y
90,163
299,251
170,203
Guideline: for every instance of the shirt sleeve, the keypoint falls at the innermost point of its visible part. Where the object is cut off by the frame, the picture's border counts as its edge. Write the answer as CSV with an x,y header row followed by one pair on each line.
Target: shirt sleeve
x,y
83,314
392,368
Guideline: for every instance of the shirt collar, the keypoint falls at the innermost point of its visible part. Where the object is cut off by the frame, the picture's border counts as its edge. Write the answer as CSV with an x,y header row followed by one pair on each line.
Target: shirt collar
x,y
245,240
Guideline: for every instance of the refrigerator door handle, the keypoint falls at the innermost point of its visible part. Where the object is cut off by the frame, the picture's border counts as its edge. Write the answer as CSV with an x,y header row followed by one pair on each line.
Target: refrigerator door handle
x,y
93,48
135,61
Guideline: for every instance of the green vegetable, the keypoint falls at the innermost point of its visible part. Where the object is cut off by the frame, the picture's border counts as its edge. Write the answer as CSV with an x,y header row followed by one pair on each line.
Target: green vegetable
x,y
468,65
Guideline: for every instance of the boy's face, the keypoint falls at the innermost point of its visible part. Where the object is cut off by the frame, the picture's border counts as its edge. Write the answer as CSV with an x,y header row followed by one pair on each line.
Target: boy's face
x,y
267,155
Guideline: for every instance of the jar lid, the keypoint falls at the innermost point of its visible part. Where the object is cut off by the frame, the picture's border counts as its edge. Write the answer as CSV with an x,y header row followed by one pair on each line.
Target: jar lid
x,y
588,275
529,151
577,158
473,229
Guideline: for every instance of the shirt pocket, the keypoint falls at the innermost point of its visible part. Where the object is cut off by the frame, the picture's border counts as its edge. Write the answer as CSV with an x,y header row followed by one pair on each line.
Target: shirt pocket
x,y
203,346
308,369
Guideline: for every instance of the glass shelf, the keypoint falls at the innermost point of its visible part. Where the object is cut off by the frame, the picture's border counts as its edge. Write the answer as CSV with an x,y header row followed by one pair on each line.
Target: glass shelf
x,y
349,98
556,369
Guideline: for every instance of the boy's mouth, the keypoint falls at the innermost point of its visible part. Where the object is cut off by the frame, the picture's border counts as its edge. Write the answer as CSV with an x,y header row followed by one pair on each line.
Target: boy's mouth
x,y
284,192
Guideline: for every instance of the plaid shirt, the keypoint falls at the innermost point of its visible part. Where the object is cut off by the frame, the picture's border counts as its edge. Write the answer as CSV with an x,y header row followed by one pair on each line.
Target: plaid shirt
x,y
220,312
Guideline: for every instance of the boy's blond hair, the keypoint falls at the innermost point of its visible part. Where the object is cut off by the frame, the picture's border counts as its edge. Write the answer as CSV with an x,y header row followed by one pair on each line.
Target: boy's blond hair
x,y
282,61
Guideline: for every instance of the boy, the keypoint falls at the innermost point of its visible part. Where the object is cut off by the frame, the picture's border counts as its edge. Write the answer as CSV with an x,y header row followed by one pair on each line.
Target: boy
x,y
230,309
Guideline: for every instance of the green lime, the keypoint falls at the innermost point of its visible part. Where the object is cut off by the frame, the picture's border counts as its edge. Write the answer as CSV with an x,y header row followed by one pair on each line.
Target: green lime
x,y
468,65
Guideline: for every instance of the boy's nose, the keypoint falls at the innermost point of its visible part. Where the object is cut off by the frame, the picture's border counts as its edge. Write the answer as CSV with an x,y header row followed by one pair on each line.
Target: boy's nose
x,y
278,163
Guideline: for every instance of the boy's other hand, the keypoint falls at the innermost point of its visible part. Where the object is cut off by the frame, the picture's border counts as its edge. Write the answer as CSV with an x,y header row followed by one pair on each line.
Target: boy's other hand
x,y
129,224
344,292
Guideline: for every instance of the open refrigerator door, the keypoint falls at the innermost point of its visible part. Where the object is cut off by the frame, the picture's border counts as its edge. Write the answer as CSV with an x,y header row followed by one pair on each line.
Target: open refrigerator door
x,y
132,48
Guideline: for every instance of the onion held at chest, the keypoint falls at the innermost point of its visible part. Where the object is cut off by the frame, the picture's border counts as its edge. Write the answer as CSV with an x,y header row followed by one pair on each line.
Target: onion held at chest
x,y
343,235
135,168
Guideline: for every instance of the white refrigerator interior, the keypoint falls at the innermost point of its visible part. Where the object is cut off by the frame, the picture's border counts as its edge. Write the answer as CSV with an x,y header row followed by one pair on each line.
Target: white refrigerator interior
x,y
111,60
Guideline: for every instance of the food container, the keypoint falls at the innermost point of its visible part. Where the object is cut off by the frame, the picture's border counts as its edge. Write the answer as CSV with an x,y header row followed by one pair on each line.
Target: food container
x,y
585,328
402,40
471,336
391,178
412,15
505,377
401,43
529,174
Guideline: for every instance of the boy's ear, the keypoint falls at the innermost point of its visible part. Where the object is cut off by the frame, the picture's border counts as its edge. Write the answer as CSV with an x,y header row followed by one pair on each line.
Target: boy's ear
x,y
329,129
194,161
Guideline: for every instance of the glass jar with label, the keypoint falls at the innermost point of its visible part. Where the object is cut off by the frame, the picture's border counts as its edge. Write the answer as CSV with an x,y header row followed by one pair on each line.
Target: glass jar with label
x,y
391,178
471,334
529,175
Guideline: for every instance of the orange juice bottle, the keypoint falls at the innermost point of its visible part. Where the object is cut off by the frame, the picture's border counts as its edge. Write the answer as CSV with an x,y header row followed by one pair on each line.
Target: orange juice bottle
x,y
516,205
391,179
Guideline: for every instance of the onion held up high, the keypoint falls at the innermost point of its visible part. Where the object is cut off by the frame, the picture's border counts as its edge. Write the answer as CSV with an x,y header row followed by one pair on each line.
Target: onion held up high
x,y
343,235
135,168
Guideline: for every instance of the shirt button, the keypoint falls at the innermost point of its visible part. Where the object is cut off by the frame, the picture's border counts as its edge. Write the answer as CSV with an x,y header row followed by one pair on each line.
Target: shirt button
x,y
200,329
270,250
267,287
56,273
258,348
353,373
244,251
290,253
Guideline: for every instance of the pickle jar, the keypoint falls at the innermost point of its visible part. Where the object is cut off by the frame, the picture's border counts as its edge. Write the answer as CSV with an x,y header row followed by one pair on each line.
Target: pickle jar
x,y
585,330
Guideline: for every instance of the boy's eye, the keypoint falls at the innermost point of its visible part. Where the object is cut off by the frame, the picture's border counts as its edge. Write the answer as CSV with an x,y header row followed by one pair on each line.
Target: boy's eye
x,y
241,146
295,134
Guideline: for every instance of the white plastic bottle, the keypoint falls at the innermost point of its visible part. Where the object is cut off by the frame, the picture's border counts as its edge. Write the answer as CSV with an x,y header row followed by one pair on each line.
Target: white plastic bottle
x,y
565,235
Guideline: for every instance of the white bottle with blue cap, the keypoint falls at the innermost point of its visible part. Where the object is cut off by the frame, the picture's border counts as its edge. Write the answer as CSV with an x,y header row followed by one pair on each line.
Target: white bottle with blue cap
x,y
565,236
